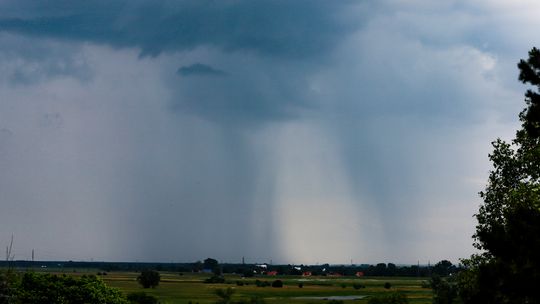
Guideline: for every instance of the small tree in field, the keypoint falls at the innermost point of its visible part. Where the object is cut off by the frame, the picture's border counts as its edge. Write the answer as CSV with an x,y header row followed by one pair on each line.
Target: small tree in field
x,y
149,278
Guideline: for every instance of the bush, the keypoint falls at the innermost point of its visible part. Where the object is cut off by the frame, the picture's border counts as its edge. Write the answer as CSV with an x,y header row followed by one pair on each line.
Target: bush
x,y
141,298
8,280
260,283
358,286
300,285
239,283
392,298
277,284
225,295
149,278
215,280
45,288
444,292
387,285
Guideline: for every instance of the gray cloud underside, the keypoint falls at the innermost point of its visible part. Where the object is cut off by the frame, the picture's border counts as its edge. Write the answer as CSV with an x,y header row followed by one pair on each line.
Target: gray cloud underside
x,y
284,32
278,28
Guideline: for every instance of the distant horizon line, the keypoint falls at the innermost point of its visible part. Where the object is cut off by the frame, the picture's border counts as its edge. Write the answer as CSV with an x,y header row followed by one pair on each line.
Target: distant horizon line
x,y
430,263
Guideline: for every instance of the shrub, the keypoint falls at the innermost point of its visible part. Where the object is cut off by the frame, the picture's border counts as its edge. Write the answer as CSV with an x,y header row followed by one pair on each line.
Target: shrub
x,y
444,292
300,285
239,283
141,298
37,288
358,286
260,283
8,280
387,285
277,284
215,280
225,295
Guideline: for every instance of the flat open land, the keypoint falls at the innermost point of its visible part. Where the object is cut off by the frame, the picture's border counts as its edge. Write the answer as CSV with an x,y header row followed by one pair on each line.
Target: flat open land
x,y
188,287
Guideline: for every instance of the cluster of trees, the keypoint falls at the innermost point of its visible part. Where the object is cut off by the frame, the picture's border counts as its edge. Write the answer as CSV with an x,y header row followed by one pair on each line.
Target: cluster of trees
x,y
442,268
247,270
508,231
39,288
44,288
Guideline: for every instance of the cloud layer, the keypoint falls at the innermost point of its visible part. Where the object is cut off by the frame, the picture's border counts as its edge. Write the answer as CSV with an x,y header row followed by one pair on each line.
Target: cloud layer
x,y
297,131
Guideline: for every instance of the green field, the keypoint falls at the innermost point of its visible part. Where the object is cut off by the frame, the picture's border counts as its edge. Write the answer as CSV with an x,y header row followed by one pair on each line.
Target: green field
x,y
183,288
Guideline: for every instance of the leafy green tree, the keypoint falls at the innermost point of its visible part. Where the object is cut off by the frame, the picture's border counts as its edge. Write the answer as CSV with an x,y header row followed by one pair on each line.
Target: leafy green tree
x,y
508,229
149,278
35,288
213,265
443,268
444,291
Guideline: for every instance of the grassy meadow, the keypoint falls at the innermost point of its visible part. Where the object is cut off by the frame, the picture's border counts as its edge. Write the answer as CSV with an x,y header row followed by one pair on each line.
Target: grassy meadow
x,y
188,287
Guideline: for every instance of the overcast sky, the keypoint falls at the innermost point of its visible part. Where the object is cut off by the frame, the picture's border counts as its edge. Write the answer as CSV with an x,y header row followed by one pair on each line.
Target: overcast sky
x,y
292,131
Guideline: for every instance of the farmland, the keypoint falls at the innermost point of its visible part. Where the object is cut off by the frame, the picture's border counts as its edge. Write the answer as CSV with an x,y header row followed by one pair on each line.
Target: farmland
x,y
190,287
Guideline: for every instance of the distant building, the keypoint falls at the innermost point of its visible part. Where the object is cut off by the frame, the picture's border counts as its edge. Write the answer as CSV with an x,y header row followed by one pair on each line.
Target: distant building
x,y
272,273
306,274
360,274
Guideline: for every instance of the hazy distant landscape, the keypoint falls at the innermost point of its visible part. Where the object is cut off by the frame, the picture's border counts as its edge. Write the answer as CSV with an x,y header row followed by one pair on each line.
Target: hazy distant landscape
x,y
191,282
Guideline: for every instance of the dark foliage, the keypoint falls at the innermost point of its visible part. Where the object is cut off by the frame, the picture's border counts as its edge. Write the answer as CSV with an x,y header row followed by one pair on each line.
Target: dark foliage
x,y
444,291
149,278
36,288
141,298
358,286
260,283
508,230
8,280
277,284
215,280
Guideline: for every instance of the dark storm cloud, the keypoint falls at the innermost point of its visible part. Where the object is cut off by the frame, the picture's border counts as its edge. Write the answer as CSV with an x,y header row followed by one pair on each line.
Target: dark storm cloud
x,y
279,28
268,32
199,69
